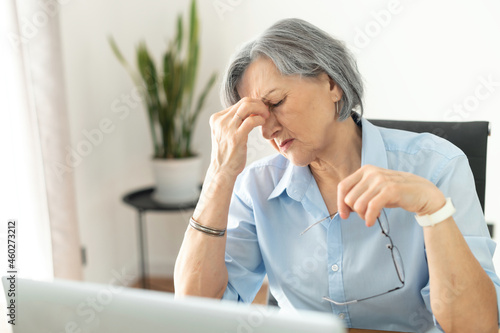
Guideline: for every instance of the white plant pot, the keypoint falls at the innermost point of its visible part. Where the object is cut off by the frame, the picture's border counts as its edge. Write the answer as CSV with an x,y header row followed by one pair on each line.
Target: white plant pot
x,y
177,180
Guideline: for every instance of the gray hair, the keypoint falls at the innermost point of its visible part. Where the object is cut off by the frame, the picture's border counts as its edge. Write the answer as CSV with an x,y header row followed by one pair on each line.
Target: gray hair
x,y
299,48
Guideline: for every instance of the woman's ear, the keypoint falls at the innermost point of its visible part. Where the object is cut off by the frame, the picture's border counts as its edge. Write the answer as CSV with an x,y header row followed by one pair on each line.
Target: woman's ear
x,y
335,90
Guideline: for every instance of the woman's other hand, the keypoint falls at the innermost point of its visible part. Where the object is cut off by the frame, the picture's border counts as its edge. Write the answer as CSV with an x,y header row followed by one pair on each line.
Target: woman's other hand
x,y
371,188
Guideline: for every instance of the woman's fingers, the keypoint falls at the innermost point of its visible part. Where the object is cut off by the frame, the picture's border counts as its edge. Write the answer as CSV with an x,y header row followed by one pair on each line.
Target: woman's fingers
x,y
364,192
375,206
362,201
232,117
370,189
224,114
230,129
249,124
343,189
248,109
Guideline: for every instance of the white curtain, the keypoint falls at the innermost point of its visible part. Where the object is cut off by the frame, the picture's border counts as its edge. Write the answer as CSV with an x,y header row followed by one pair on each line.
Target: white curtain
x,y
34,131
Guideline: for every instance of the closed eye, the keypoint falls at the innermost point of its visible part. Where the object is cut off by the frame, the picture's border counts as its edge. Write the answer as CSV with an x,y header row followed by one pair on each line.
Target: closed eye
x,y
277,104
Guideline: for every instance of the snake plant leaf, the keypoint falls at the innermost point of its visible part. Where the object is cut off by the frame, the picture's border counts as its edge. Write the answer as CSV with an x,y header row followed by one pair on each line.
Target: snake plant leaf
x,y
177,82
168,72
147,70
193,49
123,61
180,35
193,19
201,99
191,121
170,91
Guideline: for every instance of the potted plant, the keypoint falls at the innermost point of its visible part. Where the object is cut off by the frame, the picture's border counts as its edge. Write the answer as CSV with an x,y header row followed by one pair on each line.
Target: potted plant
x,y
172,113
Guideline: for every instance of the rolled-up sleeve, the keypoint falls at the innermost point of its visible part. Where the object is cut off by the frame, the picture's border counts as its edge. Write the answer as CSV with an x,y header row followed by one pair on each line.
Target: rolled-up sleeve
x,y
246,270
455,180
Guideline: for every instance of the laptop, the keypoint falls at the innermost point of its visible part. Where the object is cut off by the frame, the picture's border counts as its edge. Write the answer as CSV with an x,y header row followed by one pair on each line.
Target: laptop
x,y
70,306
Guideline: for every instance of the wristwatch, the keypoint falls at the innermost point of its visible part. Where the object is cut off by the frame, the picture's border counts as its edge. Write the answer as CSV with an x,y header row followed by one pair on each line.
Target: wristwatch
x,y
432,219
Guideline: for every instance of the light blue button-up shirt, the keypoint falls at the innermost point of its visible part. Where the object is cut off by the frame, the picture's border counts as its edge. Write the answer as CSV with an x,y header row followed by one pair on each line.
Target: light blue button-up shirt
x,y
274,201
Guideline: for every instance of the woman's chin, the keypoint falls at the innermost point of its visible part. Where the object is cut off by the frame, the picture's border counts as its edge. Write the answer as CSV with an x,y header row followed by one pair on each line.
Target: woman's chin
x,y
299,161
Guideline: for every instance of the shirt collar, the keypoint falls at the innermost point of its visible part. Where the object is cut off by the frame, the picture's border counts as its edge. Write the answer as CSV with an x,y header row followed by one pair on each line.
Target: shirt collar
x,y
372,146
296,179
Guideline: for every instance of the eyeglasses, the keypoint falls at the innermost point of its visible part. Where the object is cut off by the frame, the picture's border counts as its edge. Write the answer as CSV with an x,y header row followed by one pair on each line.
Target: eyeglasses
x,y
396,258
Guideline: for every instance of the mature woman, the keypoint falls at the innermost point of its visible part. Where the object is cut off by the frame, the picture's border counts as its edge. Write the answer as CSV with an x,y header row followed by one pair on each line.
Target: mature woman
x,y
318,216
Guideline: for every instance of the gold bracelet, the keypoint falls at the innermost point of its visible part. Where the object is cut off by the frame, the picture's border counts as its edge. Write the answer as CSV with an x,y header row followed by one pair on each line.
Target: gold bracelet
x,y
207,230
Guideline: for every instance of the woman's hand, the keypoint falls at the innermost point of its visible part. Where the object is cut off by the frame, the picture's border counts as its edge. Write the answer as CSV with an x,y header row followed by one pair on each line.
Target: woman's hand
x,y
230,129
371,188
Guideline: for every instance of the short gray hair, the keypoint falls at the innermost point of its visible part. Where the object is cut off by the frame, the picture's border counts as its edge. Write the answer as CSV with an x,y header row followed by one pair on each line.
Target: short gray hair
x,y
299,48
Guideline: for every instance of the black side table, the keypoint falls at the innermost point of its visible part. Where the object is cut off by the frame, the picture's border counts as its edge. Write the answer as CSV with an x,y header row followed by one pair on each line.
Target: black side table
x,y
142,201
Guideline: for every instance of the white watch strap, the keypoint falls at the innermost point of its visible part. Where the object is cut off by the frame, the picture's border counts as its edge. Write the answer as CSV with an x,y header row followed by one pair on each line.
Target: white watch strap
x,y
439,216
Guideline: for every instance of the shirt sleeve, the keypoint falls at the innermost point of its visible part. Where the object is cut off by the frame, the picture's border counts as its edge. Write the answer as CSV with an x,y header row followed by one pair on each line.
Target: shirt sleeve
x,y
456,180
244,262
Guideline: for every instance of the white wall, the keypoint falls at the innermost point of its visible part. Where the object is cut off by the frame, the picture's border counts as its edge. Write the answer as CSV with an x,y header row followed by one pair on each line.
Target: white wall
x,y
417,62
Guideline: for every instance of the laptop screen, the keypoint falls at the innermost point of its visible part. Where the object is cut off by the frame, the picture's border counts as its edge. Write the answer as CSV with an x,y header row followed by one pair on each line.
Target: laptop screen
x,y
69,306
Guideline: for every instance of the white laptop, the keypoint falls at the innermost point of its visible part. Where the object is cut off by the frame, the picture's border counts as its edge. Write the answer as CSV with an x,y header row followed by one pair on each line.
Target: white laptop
x,y
68,306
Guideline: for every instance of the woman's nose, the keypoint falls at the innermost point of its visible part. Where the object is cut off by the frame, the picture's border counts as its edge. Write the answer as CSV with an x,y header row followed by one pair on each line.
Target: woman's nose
x,y
271,127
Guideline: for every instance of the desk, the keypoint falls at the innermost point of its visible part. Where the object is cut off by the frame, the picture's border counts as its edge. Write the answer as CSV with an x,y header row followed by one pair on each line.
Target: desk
x,y
142,201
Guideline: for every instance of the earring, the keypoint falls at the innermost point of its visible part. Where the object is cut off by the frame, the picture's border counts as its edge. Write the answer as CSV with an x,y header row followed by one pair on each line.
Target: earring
x,y
337,107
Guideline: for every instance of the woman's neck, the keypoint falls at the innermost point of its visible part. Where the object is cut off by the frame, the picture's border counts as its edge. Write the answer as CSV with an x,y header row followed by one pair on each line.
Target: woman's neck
x,y
343,156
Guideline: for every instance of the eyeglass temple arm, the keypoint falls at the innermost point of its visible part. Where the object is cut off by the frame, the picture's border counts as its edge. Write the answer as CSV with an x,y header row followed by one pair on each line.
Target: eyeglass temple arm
x,y
312,225
361,299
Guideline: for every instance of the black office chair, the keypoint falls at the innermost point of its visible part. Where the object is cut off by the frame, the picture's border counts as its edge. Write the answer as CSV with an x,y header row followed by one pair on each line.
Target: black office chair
x,y
471,137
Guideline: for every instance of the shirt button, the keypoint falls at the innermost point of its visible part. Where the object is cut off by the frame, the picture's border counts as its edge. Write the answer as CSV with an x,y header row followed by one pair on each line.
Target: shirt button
x,y
342,316
335,268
